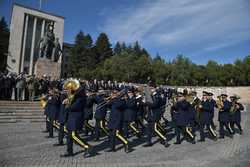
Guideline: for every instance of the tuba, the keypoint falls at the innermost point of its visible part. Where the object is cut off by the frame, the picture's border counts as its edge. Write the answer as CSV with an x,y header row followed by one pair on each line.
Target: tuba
x,y
43,102
71,85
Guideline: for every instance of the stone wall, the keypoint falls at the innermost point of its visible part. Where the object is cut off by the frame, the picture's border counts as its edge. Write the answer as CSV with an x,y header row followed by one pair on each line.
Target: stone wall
x,y
243,92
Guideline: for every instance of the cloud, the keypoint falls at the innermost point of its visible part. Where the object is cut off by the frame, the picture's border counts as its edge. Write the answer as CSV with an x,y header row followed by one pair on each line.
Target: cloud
x,y
210,24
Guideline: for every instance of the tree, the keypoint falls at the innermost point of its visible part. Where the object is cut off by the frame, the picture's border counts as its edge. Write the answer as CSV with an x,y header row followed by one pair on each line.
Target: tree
x,y
4,43
117,48
213,71
103,48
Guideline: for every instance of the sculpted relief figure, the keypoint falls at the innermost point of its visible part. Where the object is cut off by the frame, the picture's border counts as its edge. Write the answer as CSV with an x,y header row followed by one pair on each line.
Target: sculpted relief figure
x,y
47,43
57,51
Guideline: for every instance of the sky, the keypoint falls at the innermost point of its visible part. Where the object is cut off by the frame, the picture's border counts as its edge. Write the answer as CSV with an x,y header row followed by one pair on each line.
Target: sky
x,y
201,30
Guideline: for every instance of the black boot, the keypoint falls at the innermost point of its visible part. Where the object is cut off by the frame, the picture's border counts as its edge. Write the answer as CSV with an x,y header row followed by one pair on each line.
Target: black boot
x,y
149,144
127,148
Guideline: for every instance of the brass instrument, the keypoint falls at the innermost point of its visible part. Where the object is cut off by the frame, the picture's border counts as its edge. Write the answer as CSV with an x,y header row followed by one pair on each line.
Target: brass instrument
x,y
70,85
110,98
219,103
43,102
233,107
173,99
234,104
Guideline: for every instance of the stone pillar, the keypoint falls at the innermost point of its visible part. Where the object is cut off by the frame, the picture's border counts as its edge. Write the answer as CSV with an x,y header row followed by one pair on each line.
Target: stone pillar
x,y
43,27
32,46
24,43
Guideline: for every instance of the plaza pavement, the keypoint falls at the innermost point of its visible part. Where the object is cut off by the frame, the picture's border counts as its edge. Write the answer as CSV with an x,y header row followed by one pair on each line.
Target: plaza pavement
x,y
24,144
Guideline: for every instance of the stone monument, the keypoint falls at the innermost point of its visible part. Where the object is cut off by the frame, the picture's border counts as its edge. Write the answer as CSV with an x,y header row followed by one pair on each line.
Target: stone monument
x,y
50,53
35,44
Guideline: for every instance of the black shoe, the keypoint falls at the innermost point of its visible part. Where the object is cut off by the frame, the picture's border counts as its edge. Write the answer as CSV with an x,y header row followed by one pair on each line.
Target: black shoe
x,y
45,131
201,140
67,155
165,143
177,142
127,149
241,132
88,152
193,141
148,145
58,144
138,135
221,137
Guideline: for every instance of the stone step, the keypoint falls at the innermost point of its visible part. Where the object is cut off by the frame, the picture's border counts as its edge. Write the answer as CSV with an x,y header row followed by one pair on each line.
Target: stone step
x,y
2,121
8,121
23,117
3,110
20,113
19,102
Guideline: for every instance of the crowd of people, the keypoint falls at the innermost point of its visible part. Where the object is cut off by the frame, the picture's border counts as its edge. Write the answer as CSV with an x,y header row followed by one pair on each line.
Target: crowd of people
x,y
120,111
25,87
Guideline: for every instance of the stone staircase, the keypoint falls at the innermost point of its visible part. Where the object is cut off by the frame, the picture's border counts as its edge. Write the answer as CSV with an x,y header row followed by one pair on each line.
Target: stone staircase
x,y
20,111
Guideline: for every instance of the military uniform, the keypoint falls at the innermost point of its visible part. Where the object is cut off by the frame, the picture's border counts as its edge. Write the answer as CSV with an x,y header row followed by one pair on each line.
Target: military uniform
x,y
235,114
100,115
223,117
180,116
52,111
74,121
62,117
130,116
153,117
205,116
213,104
116,122
88,114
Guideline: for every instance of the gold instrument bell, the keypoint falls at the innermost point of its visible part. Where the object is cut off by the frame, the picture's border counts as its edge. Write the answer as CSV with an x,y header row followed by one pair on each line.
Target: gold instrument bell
x,y
71,84
43,102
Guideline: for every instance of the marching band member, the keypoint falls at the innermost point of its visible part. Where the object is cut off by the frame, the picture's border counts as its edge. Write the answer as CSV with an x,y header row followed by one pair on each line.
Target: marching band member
x,y
52,109
75,104
213,103
100,115
153,116
180,111
235,113
116,121
205,115
130,114
61,119
88,113
224,108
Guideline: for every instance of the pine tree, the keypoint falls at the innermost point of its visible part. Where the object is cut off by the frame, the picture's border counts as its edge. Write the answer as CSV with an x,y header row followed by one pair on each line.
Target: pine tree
x,y
103,47
117,48
4,43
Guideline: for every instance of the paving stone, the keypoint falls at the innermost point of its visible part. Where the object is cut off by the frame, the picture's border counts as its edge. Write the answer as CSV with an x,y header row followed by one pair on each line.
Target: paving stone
x,y
24,144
